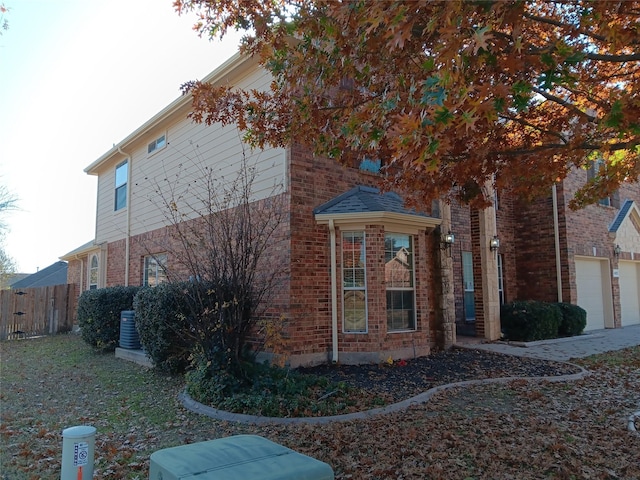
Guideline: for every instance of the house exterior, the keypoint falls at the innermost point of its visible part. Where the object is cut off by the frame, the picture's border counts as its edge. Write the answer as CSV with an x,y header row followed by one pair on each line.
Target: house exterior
x,y
54,274
367,277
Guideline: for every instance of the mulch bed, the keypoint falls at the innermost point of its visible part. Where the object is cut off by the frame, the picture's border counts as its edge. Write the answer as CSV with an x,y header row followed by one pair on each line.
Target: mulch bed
x,y
405,379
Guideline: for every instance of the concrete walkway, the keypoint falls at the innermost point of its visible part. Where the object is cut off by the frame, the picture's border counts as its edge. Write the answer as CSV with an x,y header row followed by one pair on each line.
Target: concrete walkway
x,y
564,349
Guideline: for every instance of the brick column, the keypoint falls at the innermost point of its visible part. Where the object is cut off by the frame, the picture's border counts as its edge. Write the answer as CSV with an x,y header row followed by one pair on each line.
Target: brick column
x,y
489,274
446,309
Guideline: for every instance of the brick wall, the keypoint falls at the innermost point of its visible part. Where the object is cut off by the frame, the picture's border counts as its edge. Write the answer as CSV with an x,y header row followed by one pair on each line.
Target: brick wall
x,y
535,251
313,182
461,228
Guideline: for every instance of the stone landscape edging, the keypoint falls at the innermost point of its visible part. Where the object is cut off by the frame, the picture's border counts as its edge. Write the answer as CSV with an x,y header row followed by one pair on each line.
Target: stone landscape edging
x,y
631,424
197,407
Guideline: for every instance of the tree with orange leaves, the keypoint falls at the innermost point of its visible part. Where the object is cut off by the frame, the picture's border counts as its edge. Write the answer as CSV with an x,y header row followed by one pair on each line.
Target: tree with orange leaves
x,y
450,95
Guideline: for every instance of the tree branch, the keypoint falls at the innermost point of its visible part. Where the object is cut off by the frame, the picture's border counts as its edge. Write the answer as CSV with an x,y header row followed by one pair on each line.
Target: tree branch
x,y
558,146
535,127
632,57
564,103
560,24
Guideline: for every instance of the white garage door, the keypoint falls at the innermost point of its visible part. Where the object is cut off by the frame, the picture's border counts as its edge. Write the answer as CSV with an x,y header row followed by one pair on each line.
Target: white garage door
x,y
630,292
591,292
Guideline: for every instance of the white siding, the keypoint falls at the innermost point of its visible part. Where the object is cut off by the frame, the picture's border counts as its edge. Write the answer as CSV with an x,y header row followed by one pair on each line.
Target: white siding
x,y
110,225
175,172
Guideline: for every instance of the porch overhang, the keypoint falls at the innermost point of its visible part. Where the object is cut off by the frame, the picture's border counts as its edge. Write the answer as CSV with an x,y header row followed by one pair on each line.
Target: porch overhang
x,y
398,222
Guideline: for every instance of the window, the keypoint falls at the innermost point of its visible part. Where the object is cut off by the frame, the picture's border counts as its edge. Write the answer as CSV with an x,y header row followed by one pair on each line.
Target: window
x,y
122,174
157,144
155,269
399,278
354,288
467,279
594,169
500,280
369,165
93,273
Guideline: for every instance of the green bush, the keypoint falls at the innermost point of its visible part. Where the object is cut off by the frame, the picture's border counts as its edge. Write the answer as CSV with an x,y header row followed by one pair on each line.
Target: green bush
x,y
162,320
573,320
530,320
99,315
268,391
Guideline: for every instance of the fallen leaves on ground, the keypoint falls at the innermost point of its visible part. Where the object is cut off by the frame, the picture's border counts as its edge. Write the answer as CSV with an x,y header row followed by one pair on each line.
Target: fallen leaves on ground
x,y
518,430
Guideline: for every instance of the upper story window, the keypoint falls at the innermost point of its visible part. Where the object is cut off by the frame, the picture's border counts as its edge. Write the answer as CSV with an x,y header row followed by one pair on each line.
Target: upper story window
x,y
122,175
93,273
157,144
155,269
399,279
595,168
369,165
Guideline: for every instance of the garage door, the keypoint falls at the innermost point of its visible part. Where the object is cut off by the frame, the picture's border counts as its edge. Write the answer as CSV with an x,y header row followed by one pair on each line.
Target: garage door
x,y
630,292
591,284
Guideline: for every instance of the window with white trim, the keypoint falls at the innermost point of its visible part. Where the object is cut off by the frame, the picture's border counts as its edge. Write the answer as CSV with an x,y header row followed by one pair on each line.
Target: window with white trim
x,y
157,144
155,269
468,287
598,167
399,279
122,174
93,273
500,279
354,284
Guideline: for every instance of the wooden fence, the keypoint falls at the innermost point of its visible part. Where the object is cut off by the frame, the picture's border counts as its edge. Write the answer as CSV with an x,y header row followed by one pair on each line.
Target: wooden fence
x,y
36,311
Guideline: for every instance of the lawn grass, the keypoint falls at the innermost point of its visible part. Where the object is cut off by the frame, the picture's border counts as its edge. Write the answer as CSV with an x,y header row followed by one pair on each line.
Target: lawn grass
x,y
519,430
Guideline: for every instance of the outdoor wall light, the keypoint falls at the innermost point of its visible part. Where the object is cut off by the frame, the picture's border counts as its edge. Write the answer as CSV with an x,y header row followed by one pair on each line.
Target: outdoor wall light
x,y
494,243
617,250
447,240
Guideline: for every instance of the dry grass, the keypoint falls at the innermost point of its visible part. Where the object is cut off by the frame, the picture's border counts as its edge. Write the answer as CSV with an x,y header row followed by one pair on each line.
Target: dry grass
x,y
516,431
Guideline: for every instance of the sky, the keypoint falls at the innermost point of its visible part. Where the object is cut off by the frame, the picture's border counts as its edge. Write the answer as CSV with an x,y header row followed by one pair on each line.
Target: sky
x,y
77,77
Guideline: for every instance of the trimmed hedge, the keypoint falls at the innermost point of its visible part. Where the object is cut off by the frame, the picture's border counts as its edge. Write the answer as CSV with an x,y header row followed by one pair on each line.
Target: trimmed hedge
x,y
99,315
530,320
162,320
574,319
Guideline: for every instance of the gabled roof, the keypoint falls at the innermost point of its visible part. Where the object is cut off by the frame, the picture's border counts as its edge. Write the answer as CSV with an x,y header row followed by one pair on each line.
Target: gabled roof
x,y
219,76
368,204
55,274
622,214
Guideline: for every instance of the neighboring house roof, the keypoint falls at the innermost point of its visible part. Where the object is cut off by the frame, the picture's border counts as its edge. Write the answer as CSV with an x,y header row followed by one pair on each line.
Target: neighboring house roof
x,y
7,280
55,274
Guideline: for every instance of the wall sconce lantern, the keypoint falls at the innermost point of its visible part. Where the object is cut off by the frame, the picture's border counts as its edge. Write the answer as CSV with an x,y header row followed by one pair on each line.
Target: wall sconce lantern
x,y
617,250
494,243
448,239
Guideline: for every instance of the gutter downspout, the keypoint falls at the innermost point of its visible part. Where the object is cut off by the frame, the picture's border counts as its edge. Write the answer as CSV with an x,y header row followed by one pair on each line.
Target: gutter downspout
x,y
128,227
556,233
334,294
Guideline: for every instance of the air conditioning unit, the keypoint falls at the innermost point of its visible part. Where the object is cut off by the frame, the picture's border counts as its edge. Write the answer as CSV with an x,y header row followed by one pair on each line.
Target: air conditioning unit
x,y
129,337
240,457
